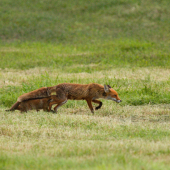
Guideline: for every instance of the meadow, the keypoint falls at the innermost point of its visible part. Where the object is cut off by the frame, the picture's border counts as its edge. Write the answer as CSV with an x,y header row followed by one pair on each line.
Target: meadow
x,y
121,43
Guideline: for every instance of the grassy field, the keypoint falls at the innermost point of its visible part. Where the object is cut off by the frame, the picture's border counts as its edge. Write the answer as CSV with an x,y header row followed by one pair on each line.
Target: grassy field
x,y
121,43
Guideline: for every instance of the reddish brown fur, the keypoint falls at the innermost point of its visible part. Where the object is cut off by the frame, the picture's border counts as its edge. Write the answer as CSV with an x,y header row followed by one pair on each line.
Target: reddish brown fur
x,y
65,91
37,104
88,92
36,94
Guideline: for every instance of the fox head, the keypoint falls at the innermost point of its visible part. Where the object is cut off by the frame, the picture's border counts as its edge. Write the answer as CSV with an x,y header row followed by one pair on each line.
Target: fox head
x,y
111,94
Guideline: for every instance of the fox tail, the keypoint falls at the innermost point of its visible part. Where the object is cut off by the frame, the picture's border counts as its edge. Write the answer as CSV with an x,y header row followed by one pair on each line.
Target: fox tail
x,y
14,106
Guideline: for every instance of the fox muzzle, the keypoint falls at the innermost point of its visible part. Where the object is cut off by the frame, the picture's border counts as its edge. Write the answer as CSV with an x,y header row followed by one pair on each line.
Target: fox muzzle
x,y
118,101
114,99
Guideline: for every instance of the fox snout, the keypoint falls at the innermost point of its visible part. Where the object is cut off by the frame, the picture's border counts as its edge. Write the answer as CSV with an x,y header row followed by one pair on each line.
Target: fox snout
x,y
111,94
114,99
118,101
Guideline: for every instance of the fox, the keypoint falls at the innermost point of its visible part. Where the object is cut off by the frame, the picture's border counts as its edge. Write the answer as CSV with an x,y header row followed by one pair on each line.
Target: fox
x,y
40,93
37,104
89,92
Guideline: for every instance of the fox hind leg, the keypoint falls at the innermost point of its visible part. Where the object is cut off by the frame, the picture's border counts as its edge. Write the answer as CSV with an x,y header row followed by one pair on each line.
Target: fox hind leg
x,y
61,98
50,105
59,105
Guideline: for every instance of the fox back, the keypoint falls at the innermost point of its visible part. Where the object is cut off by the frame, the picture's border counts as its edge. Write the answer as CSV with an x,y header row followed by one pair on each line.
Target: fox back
x,y
88,91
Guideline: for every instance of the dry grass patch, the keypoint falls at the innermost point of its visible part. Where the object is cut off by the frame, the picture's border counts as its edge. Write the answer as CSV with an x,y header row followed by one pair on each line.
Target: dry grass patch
x,y
16,77
67,135
123,134
83,137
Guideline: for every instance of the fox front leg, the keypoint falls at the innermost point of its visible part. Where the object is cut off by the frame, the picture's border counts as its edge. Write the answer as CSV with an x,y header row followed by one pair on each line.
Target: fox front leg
x,y
98,102
90,105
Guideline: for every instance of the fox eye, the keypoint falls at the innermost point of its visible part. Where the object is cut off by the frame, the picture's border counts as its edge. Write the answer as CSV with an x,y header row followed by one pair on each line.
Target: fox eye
x,y
114,95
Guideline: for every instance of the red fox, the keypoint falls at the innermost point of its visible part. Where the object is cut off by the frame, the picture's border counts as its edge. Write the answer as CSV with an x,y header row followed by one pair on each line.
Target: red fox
x,y
88,92
65,91
37,104
36,94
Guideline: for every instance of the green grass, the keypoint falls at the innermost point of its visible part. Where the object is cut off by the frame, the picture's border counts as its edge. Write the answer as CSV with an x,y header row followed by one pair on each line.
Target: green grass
x,y
131,91
118,136
80,21
45,141
106,55
122,43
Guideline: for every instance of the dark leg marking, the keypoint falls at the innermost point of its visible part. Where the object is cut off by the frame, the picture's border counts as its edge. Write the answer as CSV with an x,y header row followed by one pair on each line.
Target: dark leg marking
x,y
98,102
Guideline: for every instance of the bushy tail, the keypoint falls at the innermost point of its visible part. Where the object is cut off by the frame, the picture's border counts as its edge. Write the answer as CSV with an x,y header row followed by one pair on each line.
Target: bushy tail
x,y
14,106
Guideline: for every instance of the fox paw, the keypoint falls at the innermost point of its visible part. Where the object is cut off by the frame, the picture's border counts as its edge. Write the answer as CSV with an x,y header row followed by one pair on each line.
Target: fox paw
x,y
53,111
98,107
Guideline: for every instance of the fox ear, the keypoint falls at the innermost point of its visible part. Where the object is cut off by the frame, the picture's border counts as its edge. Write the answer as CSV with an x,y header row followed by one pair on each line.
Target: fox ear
x,y
109,86
106,88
